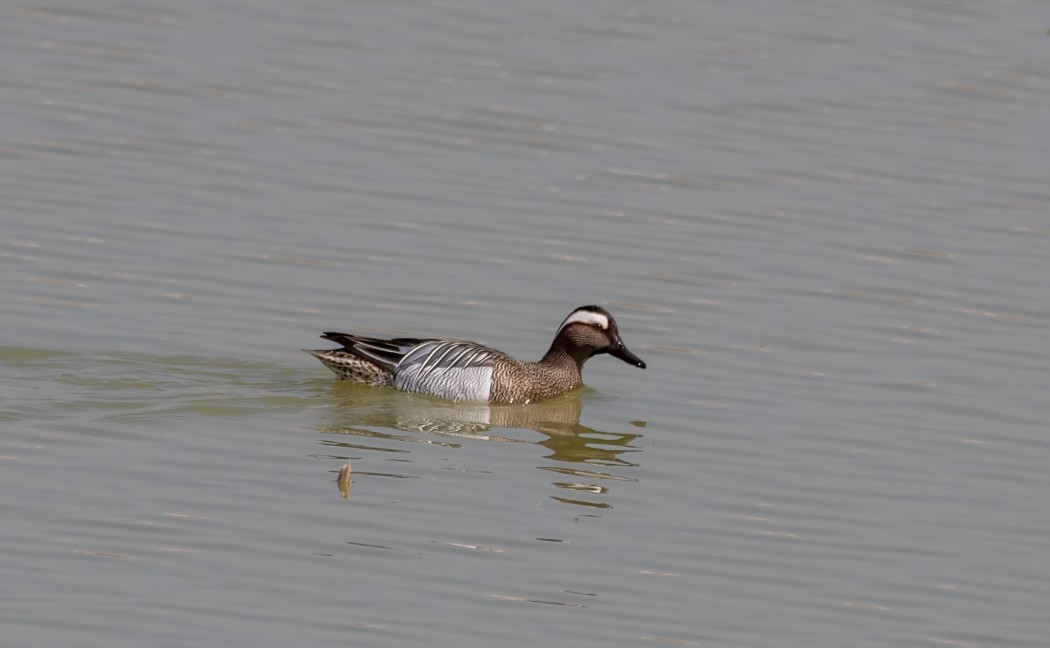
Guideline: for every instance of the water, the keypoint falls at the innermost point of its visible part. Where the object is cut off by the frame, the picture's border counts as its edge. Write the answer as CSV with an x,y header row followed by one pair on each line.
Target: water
x,y
823,226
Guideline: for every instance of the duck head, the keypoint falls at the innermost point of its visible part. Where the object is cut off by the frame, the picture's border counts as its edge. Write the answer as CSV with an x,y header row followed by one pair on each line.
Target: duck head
x,y
590,331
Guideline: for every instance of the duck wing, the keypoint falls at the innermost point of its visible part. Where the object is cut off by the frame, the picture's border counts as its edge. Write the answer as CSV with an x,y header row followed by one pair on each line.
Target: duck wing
x,y
453,369
385,353
443,355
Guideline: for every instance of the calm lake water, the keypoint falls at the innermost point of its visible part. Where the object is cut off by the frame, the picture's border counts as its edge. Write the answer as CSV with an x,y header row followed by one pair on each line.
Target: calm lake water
x,y
824,225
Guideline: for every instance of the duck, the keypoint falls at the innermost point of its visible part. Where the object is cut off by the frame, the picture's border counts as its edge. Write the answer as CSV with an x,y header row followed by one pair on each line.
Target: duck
x,y
460,370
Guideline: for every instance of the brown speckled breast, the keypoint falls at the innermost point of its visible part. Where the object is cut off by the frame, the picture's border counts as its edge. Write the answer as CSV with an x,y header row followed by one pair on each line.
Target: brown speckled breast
x,y
526,382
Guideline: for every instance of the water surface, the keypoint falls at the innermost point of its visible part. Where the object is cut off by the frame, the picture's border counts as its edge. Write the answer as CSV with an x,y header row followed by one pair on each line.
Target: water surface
x,y
822,225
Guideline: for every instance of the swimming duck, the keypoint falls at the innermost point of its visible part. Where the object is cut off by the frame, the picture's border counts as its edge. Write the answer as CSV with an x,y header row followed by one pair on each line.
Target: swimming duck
x,y
467,371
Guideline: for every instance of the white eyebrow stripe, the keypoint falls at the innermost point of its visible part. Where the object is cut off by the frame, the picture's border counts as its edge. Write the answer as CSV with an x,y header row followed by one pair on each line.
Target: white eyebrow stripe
x,y
586,317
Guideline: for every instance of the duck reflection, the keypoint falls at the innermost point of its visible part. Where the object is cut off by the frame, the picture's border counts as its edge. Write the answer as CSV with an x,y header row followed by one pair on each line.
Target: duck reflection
x,y
378,420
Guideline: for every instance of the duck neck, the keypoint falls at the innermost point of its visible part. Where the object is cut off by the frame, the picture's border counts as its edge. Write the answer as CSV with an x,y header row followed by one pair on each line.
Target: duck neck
x,y
564,356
